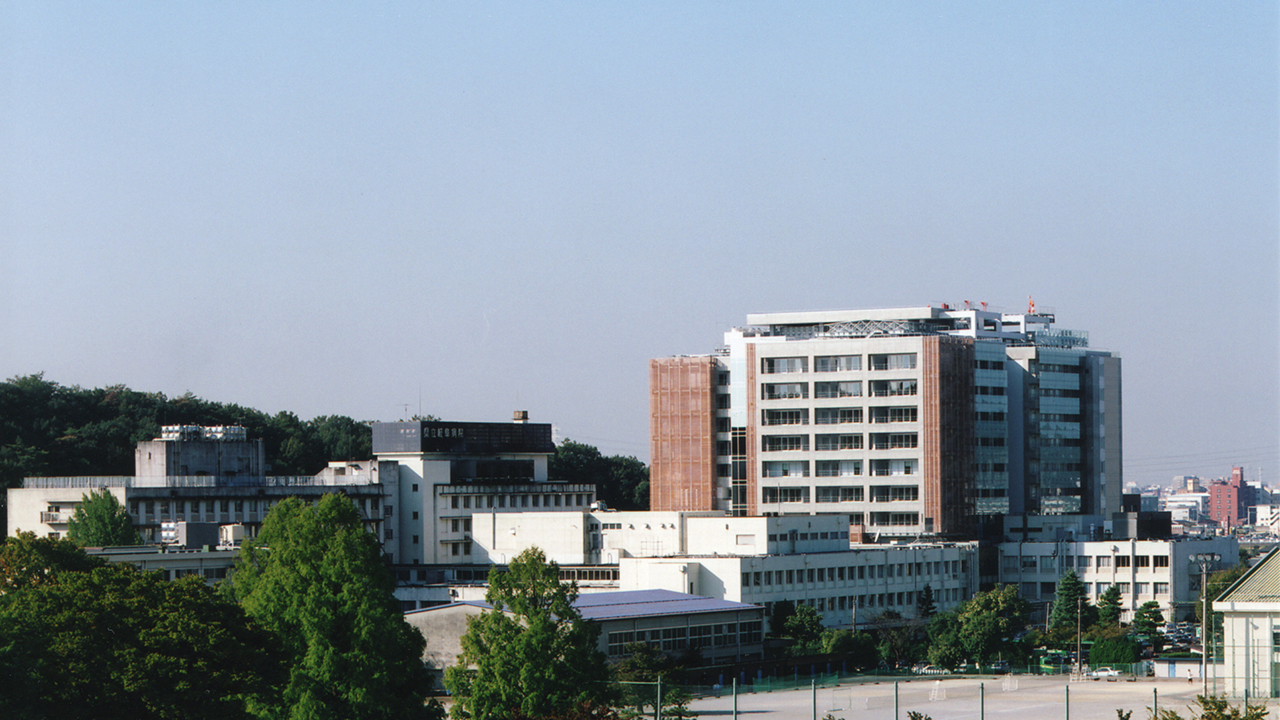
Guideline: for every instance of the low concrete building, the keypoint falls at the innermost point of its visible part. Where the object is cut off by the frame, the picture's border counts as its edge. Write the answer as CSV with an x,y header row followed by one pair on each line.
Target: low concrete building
x,y
1251,631
722,631
1143,569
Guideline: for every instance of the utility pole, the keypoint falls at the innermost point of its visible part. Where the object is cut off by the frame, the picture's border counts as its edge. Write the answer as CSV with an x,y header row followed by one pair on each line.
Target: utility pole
x,y
1204,560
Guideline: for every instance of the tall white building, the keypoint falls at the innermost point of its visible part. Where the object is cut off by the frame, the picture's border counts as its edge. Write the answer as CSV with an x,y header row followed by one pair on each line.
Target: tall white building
x,y
911,421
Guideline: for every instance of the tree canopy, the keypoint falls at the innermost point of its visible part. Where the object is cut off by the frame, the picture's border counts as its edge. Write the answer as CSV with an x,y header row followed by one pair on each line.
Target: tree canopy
x,y
1109,607
101,521
621,482
1148,619
804,629
316,578
83,639
51,429
980,629
532,654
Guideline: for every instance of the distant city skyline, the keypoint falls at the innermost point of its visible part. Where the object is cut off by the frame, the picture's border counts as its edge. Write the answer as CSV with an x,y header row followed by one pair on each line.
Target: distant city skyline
x,y
473,209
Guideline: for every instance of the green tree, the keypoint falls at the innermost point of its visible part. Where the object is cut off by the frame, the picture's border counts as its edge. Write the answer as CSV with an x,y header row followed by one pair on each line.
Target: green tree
x,y
899,640
946,647
27,560
1069,599
858,647
1110,607
532,653
989,620
101,521
115,642
1118,650
804,629
621,482
782,611
925,605
316,578
1148,619
637,676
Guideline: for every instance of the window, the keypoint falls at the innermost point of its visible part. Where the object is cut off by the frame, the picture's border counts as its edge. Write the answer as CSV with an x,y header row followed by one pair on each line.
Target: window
x,y
837,416
839,494
785,391
1160,561
1142,561
827,390
838,442
785,495
1142,588
784,417
415,539
893,388
785,469
1104,561
898,361
771,366
1084,561
1162,588
785,443
1122,561
837,468
837,363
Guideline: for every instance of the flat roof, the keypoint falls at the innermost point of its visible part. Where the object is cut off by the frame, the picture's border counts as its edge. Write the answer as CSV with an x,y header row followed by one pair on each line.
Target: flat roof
x,y
631,604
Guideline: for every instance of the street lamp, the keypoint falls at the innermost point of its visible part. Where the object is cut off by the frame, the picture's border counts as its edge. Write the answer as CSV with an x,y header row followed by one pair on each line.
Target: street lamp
x,y
1204,560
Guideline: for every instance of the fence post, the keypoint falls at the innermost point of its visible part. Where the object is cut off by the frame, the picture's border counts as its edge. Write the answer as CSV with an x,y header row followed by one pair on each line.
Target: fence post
x,y
735,699
982,701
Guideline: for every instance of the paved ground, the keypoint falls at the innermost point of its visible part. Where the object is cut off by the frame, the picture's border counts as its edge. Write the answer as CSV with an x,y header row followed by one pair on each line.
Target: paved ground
x,y
1002,697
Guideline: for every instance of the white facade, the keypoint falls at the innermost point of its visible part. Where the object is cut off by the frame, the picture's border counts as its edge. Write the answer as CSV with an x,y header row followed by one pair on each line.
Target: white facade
x,y
1251,632
1144,570
848,588
913,421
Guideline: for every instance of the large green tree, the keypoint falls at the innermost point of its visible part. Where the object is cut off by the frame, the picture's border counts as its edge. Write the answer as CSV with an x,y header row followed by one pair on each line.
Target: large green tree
x,y
622,482
988,621
532,653
1148,619
316,578
114,642
101,521
1110,606
804,629
1069,600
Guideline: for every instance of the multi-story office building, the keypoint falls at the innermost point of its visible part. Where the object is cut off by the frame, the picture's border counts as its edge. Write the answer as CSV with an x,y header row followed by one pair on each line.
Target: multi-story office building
x,y
912,421
416,496
1143,570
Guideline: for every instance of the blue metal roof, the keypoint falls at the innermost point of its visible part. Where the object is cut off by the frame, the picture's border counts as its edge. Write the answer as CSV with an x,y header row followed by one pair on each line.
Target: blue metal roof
x,y
642,603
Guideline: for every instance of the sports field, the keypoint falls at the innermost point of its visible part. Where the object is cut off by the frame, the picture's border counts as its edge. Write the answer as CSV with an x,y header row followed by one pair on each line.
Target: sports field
x,y
1009,697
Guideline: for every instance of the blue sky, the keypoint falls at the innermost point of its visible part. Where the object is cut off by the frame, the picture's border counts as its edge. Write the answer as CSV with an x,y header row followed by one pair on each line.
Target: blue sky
x,y
345,209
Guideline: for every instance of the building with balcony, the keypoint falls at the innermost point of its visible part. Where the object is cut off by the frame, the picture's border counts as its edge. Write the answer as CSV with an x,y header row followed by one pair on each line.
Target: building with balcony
x,y
912,421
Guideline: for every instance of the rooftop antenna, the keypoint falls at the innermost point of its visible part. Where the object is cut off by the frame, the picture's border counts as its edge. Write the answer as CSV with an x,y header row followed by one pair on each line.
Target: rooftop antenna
x,y
406,411
1031,306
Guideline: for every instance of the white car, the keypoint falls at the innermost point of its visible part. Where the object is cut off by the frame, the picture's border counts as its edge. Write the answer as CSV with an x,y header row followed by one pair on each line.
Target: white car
x,y
1105,672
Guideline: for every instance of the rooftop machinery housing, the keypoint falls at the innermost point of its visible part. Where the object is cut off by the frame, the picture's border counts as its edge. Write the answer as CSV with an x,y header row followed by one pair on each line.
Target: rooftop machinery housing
x,y
914,421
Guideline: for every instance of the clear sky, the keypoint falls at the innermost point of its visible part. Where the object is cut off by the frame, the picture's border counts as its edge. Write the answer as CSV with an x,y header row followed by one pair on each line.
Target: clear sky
x,y
472,208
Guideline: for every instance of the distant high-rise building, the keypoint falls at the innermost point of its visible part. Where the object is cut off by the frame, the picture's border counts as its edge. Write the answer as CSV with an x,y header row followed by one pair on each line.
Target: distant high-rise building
x,y
912,421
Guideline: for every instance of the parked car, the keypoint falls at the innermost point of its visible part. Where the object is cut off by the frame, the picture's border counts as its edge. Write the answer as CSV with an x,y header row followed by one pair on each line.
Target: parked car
x,y
1105,672
1000,667
930,670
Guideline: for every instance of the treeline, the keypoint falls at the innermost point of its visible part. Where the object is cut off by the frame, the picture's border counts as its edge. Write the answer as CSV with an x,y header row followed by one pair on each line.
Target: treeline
x,y
47,429
52,429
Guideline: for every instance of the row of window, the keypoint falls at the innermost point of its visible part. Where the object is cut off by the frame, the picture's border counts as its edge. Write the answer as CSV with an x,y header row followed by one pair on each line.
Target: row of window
x,y
1048,563
698,636
521,501
837,363
879,441
838,468
853,573
945,596
1028,589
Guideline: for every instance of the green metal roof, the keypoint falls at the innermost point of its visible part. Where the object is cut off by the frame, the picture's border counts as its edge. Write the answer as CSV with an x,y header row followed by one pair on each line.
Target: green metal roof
x,y
1260,584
